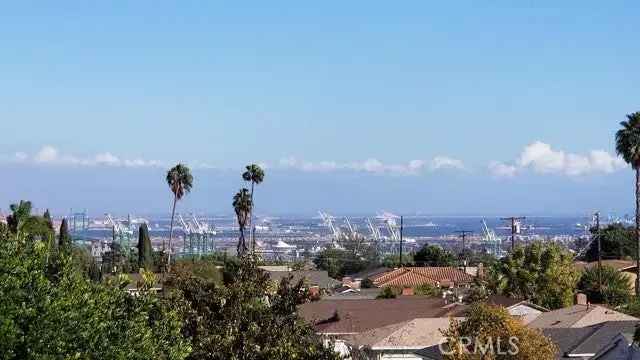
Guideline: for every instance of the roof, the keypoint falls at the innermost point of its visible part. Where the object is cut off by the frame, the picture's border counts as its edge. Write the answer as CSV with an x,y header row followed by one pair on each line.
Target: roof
x,y
356,294
369,273
356,316
589,341
415,276
311,277
507,302
578,316
620,265
409,335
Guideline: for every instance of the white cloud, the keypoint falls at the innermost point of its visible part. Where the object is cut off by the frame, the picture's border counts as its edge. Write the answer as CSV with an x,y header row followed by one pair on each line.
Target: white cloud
x,y
47,154
50,155
542,158
444,162
499,169
373,165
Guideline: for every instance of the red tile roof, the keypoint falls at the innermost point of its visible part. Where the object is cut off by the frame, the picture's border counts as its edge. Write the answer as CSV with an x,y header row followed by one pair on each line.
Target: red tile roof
x,y
415,276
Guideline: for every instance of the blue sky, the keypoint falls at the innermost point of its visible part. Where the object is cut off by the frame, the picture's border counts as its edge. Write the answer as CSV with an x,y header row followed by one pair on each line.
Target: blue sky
x,y
414,107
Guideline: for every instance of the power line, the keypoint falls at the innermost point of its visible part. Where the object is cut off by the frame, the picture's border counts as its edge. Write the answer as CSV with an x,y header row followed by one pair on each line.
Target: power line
x,y
514,230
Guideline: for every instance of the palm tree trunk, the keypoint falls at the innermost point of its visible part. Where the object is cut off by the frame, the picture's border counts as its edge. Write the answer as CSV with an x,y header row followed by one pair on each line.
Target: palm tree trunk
x,y
638,231
241,245
173,214
251,232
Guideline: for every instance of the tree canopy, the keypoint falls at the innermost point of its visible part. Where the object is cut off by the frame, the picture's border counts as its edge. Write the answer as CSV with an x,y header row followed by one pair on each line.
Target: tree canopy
x,y
491,333
542,273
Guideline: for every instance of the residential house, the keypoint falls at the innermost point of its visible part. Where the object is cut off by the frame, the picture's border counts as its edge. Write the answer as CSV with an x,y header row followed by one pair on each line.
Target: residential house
x,y
524,310
579,316
400,341
339,318
445,277
606,341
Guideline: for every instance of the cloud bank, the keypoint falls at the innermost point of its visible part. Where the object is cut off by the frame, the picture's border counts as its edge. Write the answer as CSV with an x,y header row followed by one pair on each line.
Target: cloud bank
x,y
50,155
373,165
542,158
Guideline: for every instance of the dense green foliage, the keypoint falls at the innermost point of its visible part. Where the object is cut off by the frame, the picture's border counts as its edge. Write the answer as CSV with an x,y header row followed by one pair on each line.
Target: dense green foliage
x,y
341,262
64,238
542,273
606,286
66,315
387,293
616,242
145,251
431,255
245,319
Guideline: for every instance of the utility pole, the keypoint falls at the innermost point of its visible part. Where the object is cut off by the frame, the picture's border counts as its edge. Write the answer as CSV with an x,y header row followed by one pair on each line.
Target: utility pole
x,y
514,220
597,235
401,237
463,236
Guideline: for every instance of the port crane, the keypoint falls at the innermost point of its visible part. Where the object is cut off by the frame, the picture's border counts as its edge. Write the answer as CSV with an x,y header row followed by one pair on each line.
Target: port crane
x,y
493,241
122,235
329,221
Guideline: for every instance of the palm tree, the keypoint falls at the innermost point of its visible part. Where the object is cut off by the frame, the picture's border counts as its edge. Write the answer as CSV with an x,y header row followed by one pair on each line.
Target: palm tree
x,y
255,175
180,182
605,285
628,146
19,214
242,205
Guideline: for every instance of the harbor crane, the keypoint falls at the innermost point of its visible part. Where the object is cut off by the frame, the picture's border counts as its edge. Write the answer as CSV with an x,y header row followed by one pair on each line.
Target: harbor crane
x,y
121,234
329,221
493,241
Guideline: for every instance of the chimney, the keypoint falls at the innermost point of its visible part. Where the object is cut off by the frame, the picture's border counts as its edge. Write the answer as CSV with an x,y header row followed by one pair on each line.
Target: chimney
x,y
481,270
581,299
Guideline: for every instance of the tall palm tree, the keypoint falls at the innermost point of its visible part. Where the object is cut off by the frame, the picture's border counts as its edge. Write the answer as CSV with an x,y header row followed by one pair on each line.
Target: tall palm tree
x,y
242,205
628,146
180,182
255,175
19,214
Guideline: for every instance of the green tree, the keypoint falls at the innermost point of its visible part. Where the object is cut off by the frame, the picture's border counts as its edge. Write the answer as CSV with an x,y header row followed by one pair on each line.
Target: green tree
x,y
145,251
255,175
387,293
19,214
48,219
64,238
542,273
339,263
491,333
431,255
180,182
242,205
245,319
628,146
72,317
606,285
616,242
